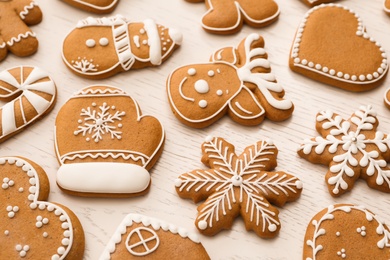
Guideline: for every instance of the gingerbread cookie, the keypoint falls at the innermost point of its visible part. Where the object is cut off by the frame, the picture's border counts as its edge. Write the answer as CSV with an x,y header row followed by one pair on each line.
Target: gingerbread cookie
x,y
386,6
352,149
238,185
30,226
105,145
227,17
94,6
346,231
387,98
102,47
140,236
333,47
236,81
30,94
317,2
16,37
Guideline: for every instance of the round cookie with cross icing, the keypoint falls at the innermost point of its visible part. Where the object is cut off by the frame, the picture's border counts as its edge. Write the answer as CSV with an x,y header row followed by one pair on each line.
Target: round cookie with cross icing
x,y
94,6
30,226
102,47
346,231
238,185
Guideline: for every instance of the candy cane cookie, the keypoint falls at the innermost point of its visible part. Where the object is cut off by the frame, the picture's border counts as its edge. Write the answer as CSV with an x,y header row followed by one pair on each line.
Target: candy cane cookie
x,y
30,94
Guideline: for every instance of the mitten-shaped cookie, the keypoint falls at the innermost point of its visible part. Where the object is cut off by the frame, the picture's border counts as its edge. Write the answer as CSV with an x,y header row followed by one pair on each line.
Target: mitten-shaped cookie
x,y
228,16
236,81
346,231
94,6
15,36
238,185
30,94
30,226
105,145
140,236
102,47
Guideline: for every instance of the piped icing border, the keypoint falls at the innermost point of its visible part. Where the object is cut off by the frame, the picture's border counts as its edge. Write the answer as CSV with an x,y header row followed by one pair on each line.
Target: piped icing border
x,y
107,7
332,73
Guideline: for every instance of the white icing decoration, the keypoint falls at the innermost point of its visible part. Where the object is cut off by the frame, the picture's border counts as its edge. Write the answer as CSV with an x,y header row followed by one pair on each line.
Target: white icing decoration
x,y
6,232
240,12
26,10
45,234
100,122
153,42
143,242
353,145
97,7
103,41
136,41
84,65
328,216
211,73
151,224
331,72
181,91
229,178
201,86
114,154
203,103
219,92
7,183
90,43
191,71
20,37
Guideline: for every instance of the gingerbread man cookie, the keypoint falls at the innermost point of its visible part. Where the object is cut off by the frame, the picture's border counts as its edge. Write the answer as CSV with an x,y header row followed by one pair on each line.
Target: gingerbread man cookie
x,y
30,94
332,46
352,149
105,145
94,6
237,81
102,47
346,231
238,185
30,226
141,236
317,2
228,16
16,37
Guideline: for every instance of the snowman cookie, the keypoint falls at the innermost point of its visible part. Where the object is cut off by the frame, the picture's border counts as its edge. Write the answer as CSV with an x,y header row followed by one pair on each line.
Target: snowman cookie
x,y
236,81
94,6
102,47
105,145
346,231
30,226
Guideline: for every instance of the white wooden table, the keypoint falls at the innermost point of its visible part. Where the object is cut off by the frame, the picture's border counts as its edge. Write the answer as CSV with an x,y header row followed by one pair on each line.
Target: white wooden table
x,y
100,217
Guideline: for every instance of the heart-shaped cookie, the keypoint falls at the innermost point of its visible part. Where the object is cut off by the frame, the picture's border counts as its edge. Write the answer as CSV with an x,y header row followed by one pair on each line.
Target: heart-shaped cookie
x,y
332,46
94,6
30,226
317,2
346,231
143,237
105,145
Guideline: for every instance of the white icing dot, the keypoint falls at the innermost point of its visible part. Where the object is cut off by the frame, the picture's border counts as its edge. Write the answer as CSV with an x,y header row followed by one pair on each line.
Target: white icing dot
x,y
22,253
325,69
33,205
339,74
11,214
32,181
55,257
11,161
18,247
32,189
297,60
144,42
201,86
21,189
19,163
9,208
31,197
191,71
338,233
369,77
210,73
354,77
164,49
178,182
311,64
62,218
318,66
346,76
90,43
61,250
38,224
6,232
30,173
65,225
335,191
45,234
208,138
16,209
67,233
2,161
362,77
42,206
45,221
87,139
57,212
202,225
272,227
219,92
50,208
25,168
332,72
304,61
142,31
26,248
375,74
4,186
65,241
299,185
203,103
79,121
363,233
103,41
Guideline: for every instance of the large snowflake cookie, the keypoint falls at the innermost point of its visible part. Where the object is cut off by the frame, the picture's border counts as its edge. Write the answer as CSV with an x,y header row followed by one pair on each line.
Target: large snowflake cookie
x,y
238,185
30,226
346,231
352,149
105,145
30,94
236,81
102,47
332,46
228,16
15,36
94,6
144,237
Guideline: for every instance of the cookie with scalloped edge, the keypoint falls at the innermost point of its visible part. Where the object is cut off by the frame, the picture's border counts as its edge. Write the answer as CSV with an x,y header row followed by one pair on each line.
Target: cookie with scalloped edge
x,y
31,227
346,231
150,238
94,6
332,46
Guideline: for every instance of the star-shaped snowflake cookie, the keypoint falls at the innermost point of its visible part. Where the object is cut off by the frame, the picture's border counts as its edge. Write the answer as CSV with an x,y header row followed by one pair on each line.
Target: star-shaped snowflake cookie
x,y
352,149
238,185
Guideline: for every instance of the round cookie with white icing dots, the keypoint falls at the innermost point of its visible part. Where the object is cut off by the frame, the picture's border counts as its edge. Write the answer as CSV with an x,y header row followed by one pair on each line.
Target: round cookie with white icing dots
x,y
102,47
346,231
94,6
30,226
16,37
30,94
332,46
144,237
352,149
236,81
105,145
238,185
